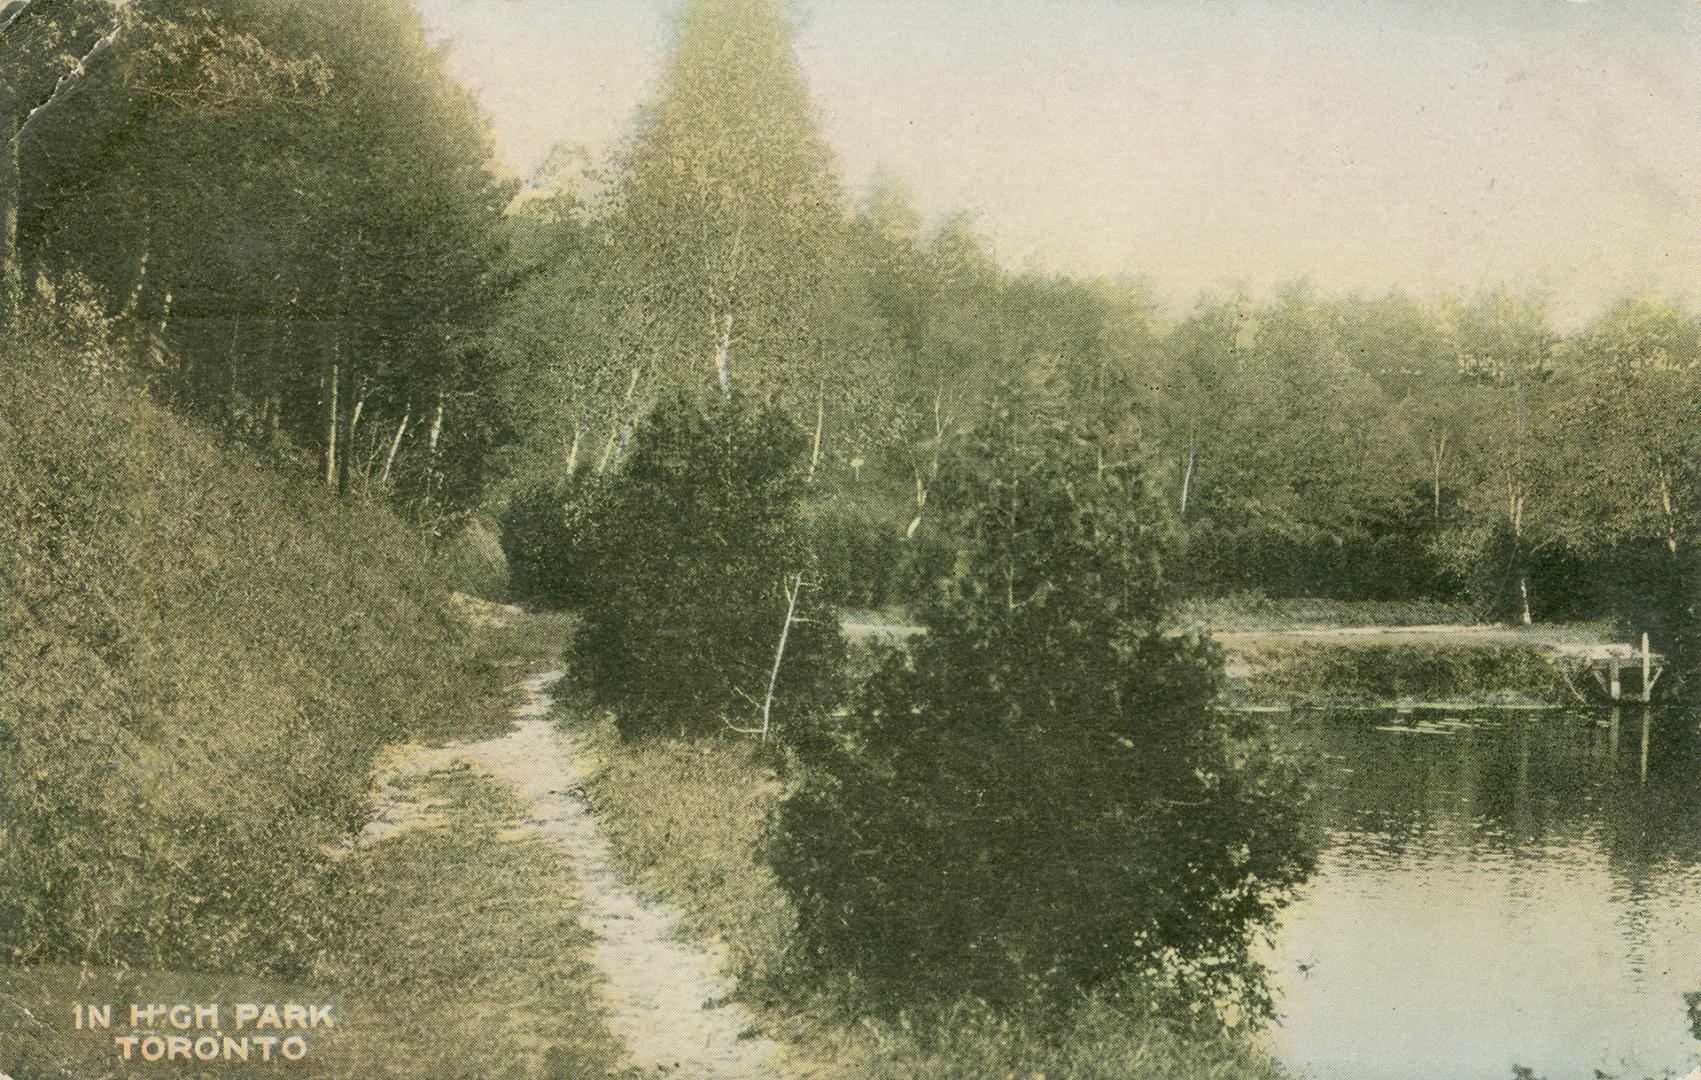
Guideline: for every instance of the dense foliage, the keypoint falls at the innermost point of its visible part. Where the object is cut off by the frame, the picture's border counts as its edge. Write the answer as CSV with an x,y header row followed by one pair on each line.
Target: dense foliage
x,y
1040,793
198,661
287,210
701,566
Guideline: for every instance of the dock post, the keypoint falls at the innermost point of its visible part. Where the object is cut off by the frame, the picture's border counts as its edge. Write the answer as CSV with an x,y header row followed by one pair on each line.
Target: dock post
x,y
1647,671
1617,686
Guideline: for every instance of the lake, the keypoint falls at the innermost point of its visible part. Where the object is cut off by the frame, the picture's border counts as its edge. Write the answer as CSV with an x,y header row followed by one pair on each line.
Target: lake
x,y
1496,888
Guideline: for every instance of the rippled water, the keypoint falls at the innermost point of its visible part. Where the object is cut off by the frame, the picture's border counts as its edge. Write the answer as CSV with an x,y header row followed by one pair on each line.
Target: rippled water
x,y
1497,888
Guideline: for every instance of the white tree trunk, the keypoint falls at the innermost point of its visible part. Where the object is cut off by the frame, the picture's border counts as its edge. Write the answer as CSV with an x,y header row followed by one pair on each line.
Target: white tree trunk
x,y
1187,474
573,451
723,358
779,656
354,420
11,185
395,446
437,425
331,427
820,420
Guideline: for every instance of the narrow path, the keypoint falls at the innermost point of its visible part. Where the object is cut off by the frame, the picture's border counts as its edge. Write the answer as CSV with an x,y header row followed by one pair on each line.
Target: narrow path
x,y
663,991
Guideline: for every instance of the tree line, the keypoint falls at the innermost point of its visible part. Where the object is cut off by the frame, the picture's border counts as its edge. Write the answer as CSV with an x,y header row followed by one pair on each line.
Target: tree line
x,y
287,213
1460,448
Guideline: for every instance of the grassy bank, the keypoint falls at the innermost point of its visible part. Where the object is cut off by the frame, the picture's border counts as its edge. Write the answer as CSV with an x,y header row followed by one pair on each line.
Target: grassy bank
x,y
686,818
1314,672
199,659
458,954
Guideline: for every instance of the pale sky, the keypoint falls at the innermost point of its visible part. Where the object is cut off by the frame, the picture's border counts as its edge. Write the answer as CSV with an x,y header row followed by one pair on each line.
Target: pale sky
x,y
1364,145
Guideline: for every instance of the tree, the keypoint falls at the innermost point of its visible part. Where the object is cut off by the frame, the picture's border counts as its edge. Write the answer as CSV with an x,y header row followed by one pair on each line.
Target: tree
x,y
1507,512
729,214
707,614
287,205
1039,793
1628,449
45,42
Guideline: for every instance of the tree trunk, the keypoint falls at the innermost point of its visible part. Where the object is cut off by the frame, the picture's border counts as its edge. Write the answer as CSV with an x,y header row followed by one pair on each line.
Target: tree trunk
x,y
395,446
608,451
1670,515
354,420
1438,452
11,188
329,396
131,314
573,451
345,463
1524,597
1187,473
723,358
820,420
779,656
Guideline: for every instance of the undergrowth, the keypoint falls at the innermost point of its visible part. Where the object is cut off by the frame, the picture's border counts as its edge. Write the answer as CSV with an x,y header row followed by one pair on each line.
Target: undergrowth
x,y
686,819
1313,672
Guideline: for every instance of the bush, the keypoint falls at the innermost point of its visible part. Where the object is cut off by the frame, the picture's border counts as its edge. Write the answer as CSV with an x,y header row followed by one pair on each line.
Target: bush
x,y
1040,797
697,546
547,534
198,660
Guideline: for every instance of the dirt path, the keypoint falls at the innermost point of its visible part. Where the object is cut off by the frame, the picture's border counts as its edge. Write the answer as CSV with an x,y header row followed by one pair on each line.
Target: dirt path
x,y
662,990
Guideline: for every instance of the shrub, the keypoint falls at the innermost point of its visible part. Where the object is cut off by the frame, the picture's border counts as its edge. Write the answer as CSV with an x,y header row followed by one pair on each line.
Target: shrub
x,y
699,545
547,533
198,660
1040,796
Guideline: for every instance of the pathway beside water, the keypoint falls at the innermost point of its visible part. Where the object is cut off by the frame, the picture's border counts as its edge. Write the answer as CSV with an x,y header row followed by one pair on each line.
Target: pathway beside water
x,y
665,994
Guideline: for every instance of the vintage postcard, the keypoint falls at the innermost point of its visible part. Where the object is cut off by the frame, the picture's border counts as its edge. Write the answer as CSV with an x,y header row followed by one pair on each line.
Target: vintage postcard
x,y
732,539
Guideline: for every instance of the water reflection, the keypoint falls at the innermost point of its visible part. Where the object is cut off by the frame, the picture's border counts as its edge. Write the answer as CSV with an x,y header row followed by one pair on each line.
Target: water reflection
x,y
1497,888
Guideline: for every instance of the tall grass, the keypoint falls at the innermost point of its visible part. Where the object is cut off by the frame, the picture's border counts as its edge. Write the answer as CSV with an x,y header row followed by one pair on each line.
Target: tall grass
x,y
198,660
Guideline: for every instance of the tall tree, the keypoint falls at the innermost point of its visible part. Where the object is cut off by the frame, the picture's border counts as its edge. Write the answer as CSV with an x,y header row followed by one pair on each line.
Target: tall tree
x,y
729,213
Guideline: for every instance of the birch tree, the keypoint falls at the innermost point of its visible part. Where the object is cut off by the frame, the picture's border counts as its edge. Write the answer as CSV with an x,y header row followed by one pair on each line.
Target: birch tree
x,y
729,212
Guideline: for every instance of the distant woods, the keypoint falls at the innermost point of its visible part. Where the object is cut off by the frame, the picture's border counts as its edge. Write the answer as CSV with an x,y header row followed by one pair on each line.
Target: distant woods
x,y
1361,448
284,212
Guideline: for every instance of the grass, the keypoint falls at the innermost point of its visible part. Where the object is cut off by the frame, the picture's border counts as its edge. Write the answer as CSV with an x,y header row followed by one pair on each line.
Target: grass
x,y
1256,612
461,958
686,819
1350,672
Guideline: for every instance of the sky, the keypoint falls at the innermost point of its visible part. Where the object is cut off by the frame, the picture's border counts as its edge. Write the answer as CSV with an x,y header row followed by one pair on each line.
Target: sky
x,y
1431,146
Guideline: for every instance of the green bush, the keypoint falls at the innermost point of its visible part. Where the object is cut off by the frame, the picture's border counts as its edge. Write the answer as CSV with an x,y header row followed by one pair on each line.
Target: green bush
x,y
198,660
697,543
1040,796
548,534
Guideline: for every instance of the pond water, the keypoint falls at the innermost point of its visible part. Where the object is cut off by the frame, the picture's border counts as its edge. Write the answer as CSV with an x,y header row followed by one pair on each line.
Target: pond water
x,y
1496,888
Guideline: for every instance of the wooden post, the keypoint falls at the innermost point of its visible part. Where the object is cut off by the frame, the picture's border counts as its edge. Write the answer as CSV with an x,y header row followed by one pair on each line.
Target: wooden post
x,y
1647,672
1615,683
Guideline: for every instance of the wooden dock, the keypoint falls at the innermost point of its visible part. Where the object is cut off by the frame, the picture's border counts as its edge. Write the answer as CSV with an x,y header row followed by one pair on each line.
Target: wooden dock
x,y
1607,663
